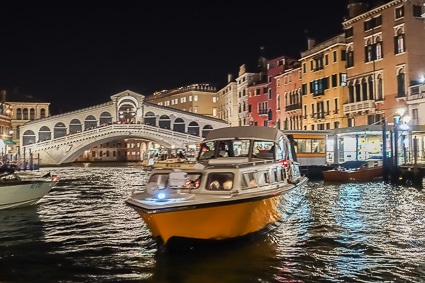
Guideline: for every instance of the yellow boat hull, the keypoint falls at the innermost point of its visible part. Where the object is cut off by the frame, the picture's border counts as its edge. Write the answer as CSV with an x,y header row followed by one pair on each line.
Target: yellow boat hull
x,y
214,222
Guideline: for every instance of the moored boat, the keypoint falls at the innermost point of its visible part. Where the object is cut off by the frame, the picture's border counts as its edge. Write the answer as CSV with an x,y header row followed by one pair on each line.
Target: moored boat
x,y
354,171
16,191
235,188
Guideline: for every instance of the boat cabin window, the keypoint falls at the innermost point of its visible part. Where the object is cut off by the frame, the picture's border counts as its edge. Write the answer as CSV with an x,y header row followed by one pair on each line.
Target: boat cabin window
x,y
206,151
219,181
162,180
263,149
224,148
248,180
281,149
263,178
275,175
241,147
282,172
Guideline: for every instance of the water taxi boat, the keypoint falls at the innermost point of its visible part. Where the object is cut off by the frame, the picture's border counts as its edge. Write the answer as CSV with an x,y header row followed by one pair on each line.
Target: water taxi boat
x,y
354,171
237,187
17,191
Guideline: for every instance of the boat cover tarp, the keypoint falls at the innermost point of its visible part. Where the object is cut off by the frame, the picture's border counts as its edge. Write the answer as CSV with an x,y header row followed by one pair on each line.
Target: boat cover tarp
x,y
353,164
245,132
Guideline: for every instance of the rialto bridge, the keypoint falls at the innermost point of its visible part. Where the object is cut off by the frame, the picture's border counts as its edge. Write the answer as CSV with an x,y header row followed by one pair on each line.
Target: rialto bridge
x,y
60,139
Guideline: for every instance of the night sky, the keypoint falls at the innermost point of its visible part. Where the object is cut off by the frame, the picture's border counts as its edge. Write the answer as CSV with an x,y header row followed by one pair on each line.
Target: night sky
x,y
77,53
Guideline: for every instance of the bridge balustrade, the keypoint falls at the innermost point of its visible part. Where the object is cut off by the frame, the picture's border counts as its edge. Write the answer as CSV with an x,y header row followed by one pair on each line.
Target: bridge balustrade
x,y
128,129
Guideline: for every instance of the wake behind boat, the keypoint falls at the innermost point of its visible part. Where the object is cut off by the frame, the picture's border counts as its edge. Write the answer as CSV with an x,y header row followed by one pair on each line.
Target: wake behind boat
x,y
16,191
237,187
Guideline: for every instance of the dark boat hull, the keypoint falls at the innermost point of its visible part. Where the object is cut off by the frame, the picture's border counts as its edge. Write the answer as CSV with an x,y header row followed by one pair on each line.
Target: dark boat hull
x,y
357,175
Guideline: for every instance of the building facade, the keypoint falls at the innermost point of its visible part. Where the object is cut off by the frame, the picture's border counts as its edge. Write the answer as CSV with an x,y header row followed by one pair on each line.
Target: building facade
x,y
22,109
244,80
289,99
385,56
324,80
228,102
196,98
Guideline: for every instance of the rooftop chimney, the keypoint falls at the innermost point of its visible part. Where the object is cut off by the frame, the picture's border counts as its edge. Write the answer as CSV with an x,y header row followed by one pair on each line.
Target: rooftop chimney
x,y
310,42
356,8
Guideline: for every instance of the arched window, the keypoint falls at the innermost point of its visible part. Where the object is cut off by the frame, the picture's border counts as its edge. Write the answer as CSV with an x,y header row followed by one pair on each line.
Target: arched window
x,y
25,114
75,126
278,102
90,122
193,129
18,114
179,125
205,130
369,56
42,113
150,119
358,92
379,91
28,137
371,87
364,89
44,134
105,118
401,90
399,43
32,114
164,122
59,130
378,47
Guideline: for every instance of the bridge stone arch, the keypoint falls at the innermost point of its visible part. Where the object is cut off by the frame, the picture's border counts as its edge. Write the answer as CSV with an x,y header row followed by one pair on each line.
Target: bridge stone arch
x,y
81,128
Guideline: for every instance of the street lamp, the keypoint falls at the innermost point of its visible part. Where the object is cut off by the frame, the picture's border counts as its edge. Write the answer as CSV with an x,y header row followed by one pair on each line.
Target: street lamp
x,y
400,123
395,157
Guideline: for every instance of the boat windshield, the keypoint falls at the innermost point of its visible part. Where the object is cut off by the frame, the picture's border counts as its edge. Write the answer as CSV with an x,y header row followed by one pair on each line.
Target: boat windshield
x,y
224,148
263,149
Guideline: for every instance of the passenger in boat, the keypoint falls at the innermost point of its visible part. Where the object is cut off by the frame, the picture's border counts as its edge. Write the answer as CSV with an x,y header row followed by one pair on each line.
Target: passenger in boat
x,y
206,152
222,150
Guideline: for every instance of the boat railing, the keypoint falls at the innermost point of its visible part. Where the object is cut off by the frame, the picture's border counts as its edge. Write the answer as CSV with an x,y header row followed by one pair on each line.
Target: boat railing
x,y
236,162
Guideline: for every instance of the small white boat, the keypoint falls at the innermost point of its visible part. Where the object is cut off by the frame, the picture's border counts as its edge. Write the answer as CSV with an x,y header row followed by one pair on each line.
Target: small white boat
x,y
19,192
236,188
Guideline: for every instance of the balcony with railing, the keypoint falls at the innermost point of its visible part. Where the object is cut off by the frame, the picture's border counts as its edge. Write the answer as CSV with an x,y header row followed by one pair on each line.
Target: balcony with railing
x,y
319,115
293,107
361,106
263,112
416,92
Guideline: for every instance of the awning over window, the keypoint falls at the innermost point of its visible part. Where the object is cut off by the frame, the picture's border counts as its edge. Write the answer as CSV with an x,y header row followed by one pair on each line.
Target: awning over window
x,y
9,142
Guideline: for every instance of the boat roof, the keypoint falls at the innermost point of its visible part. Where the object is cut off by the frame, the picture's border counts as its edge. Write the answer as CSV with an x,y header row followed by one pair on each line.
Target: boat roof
x,y
245,132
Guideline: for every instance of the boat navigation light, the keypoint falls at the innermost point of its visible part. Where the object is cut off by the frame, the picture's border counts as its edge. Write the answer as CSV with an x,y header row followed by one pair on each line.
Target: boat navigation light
x,y
161,196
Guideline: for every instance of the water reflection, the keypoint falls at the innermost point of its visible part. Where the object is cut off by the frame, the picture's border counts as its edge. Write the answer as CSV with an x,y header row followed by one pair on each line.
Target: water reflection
x,y
82,231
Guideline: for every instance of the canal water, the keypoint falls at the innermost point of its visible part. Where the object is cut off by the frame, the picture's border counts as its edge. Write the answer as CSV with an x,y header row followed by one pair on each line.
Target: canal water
x,y
82,231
